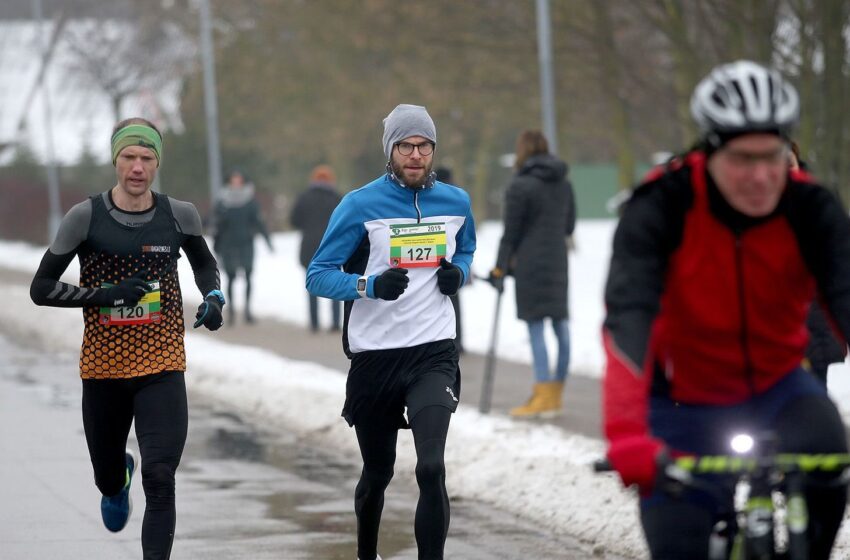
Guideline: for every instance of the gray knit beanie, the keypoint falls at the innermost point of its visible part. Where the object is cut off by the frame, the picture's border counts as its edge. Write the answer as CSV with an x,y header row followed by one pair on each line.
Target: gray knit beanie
x,y
405,121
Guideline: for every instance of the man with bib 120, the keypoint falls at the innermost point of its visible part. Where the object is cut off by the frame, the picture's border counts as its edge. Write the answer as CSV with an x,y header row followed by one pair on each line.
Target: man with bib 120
x,y
128,240
394,251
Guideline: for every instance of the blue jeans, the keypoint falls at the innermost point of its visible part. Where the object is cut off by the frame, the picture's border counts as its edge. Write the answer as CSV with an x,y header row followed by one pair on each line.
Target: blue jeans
x,y
541,356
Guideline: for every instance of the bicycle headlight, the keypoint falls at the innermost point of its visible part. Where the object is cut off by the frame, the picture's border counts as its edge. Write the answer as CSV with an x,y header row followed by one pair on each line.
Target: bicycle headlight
x,y
742,443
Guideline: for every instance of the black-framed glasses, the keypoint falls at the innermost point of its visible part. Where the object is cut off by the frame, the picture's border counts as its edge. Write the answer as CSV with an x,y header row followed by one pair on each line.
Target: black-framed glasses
x,y
406,148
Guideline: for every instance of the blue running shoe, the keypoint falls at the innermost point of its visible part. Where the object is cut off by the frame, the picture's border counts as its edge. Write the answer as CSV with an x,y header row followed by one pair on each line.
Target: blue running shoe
x,y
116,509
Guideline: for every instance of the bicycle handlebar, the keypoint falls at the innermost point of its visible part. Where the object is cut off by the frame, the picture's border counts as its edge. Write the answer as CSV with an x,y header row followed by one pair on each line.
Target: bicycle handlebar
x,y
736,464
784,462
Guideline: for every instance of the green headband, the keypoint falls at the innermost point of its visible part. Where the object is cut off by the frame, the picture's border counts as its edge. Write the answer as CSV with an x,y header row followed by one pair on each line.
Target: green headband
x,y
137,135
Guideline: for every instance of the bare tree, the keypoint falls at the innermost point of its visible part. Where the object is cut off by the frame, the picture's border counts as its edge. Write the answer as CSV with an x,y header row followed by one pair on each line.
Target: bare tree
x,y
125,57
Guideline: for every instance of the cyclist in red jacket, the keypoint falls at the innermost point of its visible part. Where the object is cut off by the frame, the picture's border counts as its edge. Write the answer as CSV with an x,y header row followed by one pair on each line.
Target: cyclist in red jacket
x,y
716,260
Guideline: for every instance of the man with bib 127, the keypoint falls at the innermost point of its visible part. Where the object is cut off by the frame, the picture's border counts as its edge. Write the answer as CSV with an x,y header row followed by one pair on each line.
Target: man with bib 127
x,y
128,240
394,251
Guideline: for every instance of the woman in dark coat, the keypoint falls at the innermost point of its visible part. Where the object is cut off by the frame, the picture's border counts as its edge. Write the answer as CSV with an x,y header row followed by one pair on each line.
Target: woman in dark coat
x,y
237,221
539,218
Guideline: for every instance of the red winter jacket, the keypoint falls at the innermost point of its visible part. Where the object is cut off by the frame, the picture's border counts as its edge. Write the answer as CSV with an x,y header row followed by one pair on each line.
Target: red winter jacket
x,y
708,306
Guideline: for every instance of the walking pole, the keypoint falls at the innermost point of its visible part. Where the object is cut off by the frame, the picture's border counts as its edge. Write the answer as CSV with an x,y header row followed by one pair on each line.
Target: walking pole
x,y
490,361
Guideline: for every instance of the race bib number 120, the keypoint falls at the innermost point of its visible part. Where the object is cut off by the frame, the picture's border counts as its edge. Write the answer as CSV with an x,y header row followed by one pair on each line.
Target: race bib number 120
x,y
417,245
146,311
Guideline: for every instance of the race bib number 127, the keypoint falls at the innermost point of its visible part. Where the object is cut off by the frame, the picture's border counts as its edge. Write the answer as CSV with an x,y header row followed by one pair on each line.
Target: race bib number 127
x,y
417,245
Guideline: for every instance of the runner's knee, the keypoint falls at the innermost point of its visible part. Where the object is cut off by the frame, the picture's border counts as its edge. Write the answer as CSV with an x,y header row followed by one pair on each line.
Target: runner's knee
x,y
158,481
377,477
430,465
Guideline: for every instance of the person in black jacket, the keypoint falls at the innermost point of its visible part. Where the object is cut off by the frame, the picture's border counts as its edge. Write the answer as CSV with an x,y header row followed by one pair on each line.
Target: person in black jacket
x,y
824,346
310,215
237,221
540,215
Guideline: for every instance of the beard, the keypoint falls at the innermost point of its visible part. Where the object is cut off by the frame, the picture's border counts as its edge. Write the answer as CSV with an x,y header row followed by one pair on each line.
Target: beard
x,y
418,183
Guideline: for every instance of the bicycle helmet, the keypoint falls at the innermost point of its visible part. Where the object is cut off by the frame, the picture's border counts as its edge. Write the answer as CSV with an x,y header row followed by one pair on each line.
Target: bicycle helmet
x,y
742,97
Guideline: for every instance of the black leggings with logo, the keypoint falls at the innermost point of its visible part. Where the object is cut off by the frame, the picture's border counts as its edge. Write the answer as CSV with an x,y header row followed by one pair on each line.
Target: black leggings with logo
x,y
158,405
377,442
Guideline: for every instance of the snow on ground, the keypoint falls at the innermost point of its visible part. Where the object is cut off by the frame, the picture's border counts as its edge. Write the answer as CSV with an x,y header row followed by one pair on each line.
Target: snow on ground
x,y
539,472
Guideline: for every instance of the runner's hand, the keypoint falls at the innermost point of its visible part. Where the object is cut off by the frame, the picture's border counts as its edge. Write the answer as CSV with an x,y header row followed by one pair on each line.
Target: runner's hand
x,y
636,459
128,291
449,277
390,284
209,312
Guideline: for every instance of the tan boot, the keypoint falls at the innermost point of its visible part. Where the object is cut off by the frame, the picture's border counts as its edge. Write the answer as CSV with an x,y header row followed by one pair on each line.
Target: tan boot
x,y
533,406
553,405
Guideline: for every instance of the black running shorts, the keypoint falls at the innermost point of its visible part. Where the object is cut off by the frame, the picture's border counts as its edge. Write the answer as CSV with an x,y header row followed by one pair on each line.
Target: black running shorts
x,y
381,383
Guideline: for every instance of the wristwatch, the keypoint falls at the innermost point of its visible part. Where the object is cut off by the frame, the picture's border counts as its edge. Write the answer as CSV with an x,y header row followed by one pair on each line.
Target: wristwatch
x,y
362,283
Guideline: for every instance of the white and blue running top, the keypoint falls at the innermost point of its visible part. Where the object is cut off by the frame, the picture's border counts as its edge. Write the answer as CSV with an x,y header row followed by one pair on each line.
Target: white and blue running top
x,y
421,226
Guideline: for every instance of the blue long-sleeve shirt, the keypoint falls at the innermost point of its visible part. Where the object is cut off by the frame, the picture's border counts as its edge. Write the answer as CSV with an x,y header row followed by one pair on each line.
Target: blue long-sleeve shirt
x,y
374,228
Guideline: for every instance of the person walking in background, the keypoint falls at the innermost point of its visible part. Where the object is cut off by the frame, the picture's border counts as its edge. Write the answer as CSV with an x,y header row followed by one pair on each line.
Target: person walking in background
x,y
310,216
540,215
444,175
132,361
237,221
824,346
394,250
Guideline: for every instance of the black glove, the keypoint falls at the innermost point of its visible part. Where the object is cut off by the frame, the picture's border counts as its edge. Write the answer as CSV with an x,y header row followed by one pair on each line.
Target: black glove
x,y
209,312
391,283
127,292
497,279
449,277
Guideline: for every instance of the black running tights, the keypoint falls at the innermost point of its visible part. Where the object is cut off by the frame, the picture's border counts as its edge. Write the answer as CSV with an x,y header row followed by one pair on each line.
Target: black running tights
x,y
158,405
377,447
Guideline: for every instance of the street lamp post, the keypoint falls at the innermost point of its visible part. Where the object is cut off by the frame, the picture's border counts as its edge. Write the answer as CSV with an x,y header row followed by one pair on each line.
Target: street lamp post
x,y
210,102
54,205
547,84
